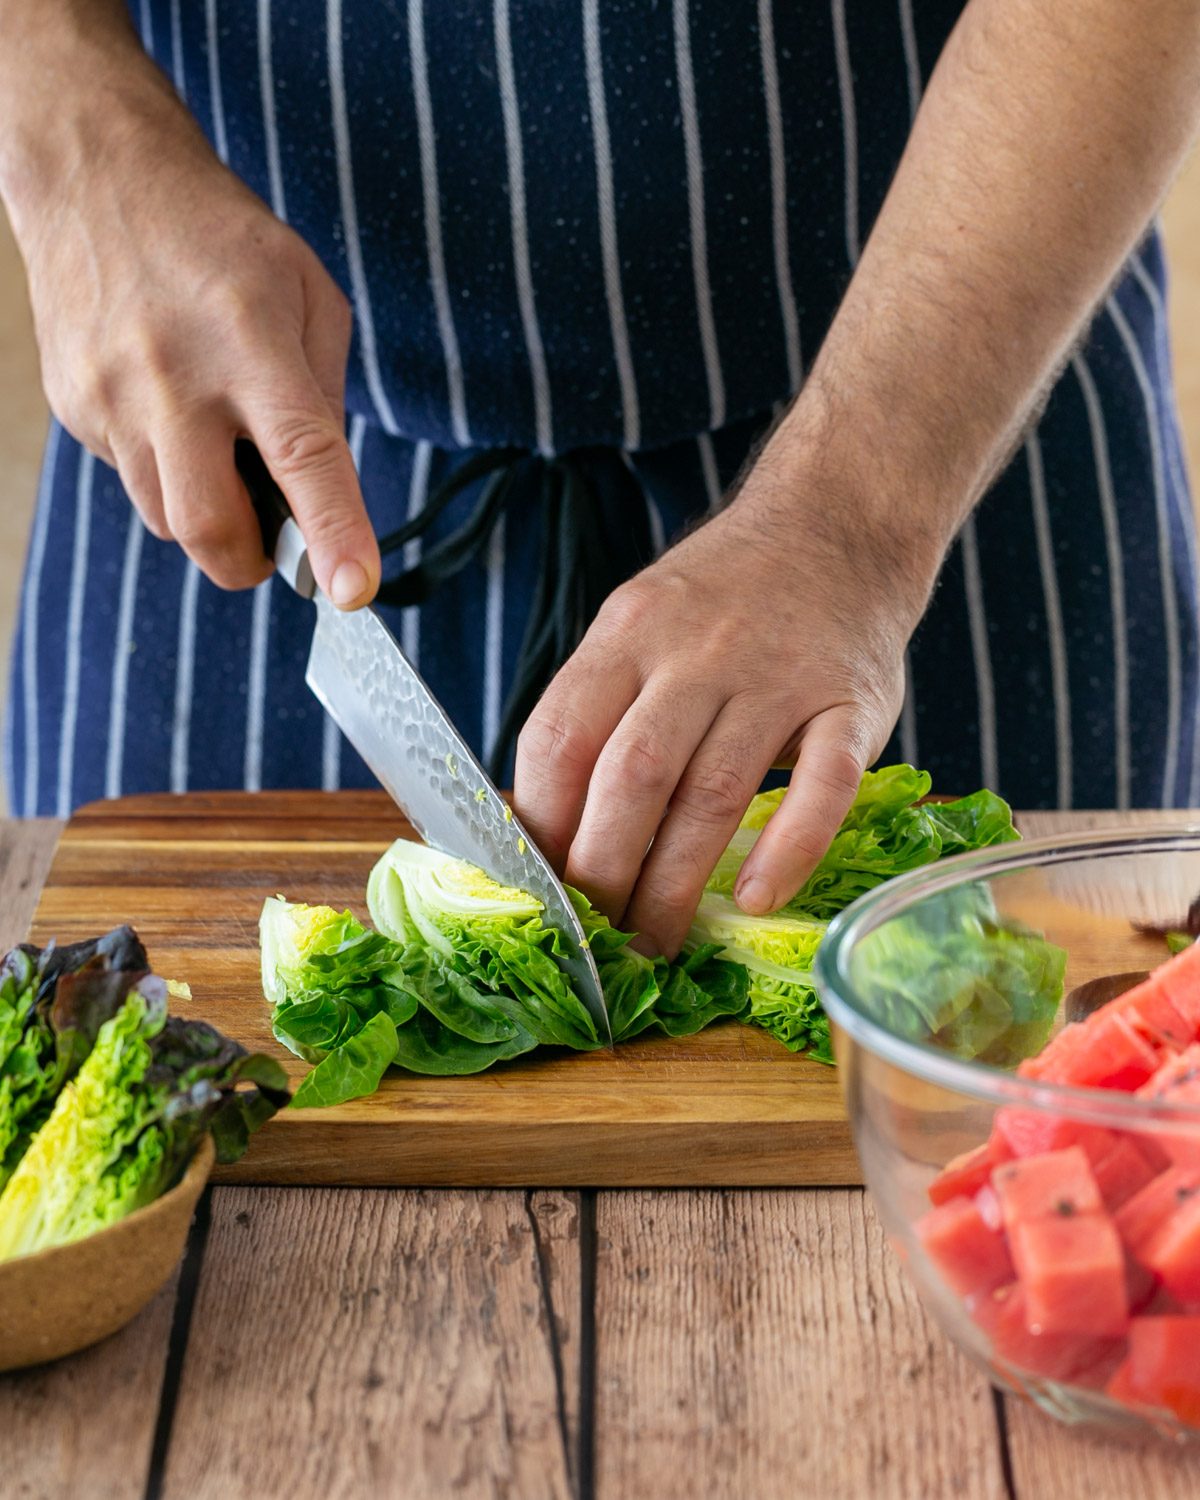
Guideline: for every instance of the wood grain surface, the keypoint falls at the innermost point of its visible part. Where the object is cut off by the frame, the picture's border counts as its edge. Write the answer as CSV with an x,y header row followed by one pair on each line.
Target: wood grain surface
x,y
734,1315
728,1106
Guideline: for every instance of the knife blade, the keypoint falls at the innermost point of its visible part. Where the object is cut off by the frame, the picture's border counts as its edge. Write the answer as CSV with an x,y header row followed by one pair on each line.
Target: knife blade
x,y
386,710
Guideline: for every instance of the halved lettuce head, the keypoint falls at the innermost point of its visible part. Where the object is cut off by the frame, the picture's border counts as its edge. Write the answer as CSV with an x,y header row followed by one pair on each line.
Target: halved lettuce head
x,y
491,934
777,953
121,1131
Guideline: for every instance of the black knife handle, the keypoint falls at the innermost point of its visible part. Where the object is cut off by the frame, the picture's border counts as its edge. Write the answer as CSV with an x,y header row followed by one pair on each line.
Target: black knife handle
x,y
282,539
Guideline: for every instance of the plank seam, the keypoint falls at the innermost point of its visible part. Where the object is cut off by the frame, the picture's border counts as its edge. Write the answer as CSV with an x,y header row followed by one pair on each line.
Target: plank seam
x,y
1006,1464
587,1345
553,1340
181,1327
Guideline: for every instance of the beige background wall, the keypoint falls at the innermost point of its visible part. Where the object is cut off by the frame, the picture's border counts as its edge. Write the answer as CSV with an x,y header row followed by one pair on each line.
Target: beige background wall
x,y
23,411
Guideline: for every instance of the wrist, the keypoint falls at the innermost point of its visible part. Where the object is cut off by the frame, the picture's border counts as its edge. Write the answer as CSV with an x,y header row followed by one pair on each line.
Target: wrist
x,y
73,107
834,483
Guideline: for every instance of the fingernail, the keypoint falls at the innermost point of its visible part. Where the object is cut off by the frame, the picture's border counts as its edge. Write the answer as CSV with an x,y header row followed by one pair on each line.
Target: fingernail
x,y
348,584
755,896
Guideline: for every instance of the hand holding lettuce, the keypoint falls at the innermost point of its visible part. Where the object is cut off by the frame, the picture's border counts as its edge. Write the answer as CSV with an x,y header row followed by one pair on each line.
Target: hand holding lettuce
x,y
460,972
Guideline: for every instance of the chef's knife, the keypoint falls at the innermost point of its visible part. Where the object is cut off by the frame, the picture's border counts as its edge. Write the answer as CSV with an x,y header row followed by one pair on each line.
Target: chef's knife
x,y
383,707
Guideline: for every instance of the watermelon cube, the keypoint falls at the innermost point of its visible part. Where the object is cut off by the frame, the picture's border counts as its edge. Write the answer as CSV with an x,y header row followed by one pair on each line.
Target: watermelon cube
x,y
1142,1289
1081,1360
1030,1132
1072,1271
1106,1052
1164,1364
1036,1187
1179,980
1177,1081
987,1201
970,1256
1152,1012
1122,1172
1172,1252
964,1175
1138,1219
1122,1386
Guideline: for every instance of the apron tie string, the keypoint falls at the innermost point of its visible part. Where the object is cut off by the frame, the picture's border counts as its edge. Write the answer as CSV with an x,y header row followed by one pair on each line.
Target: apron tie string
x,y
575,570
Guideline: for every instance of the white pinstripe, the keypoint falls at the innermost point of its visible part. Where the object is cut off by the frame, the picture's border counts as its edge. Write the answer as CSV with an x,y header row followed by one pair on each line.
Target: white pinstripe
x,y
177,51
220,139
654,520
185,676
1169,602
418,493
1175,458
606,206
908,716
29,620
358,433
79,574
985,687
708,467
1178,474
841,47
260,613
1116,575
349,208
511,110
256,686
266,81
658,532
912,60
698,223
1059,679
115,758
912,67
493,659
147,27
779,220
439,285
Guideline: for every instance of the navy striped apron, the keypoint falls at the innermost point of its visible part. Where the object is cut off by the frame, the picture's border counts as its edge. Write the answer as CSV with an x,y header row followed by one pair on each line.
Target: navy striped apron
x,y
618,231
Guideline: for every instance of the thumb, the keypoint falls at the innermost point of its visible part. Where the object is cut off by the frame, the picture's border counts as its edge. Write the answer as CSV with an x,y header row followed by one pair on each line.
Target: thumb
x,y
304,446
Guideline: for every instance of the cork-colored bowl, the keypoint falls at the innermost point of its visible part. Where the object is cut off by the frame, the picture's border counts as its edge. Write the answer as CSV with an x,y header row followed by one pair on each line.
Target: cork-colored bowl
x,y
63,1299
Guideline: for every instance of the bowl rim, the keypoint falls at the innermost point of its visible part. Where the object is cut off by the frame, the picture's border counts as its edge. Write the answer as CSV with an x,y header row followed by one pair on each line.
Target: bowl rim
x,y
977,1080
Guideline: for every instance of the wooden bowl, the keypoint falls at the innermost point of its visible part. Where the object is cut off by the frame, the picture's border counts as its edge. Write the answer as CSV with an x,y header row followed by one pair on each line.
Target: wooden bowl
x,y
63,1299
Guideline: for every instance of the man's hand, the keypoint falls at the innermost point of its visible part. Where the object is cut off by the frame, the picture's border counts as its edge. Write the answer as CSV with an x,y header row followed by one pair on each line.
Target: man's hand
x,y
772,636
1048,134
173,311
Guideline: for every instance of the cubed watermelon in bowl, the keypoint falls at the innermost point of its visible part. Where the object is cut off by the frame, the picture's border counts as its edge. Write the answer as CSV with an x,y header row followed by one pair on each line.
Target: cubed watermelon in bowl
x,y
1047,1206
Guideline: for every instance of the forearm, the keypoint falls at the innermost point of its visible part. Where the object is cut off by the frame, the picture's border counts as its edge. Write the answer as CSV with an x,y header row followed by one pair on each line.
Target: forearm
x,y
1047,137
75,86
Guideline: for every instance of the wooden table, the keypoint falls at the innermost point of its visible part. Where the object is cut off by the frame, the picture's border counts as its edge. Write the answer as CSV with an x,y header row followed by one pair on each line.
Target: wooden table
x,y
334,1342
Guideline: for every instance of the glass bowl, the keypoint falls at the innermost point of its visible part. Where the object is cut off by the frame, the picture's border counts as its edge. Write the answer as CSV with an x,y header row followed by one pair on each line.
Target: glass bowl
x,y
1051,1226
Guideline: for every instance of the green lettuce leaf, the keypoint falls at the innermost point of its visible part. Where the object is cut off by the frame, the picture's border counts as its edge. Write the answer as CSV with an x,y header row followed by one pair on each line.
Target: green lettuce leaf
x,y
424,1045
491,934
355,1068
123,1128
956,975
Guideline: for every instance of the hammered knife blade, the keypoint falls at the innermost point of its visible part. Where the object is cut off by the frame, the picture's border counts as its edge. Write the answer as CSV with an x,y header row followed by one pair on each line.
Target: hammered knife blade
x,y
385,709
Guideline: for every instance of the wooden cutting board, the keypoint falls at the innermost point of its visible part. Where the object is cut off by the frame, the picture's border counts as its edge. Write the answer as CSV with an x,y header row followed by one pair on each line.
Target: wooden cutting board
x,y
728,1107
